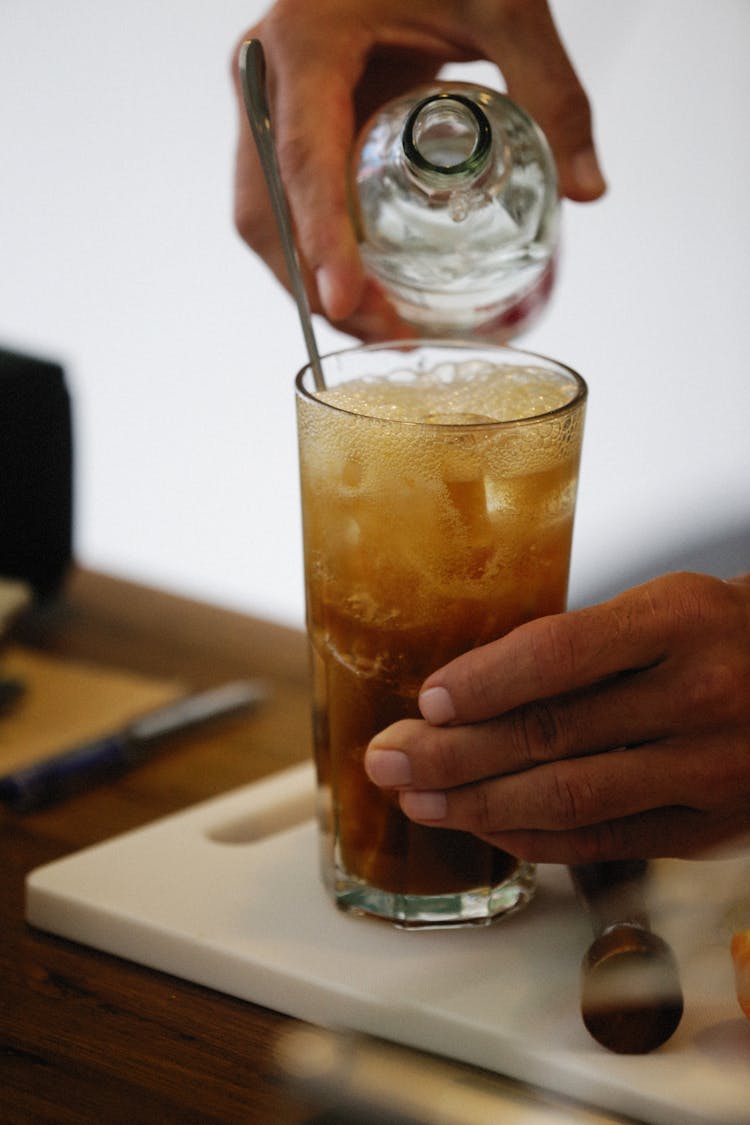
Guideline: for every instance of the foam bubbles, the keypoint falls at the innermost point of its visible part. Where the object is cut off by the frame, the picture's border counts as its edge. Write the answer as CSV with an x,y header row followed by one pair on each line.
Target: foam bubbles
x,y
470,393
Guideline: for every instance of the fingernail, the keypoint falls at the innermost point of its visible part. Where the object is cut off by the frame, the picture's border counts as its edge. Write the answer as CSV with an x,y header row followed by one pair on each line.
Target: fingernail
x,y
390,768
587,173
436,706
326,289
424,805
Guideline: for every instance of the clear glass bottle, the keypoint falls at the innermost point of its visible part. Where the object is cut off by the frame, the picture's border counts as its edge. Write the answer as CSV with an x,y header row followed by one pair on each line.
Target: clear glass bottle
x,y
454,194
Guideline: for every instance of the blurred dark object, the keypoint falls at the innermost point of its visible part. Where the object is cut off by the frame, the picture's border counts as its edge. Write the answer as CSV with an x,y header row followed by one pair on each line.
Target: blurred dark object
x,y
355,1079
11,690
15,597
631,997
36,472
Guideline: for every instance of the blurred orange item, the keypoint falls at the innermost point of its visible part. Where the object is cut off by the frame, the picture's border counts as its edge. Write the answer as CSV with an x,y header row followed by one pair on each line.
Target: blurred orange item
x,y
741,957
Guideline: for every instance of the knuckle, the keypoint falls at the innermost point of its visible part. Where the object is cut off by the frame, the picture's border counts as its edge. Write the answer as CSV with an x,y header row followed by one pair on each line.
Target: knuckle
x,y
447,756
567,120
684,606
571,800
482,815
294,153
552,648
534,734
514,15
716,689
281,23
693,600
597,843
478,685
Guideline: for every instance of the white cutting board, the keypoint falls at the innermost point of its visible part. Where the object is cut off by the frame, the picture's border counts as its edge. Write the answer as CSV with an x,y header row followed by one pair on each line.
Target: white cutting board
x,y
227,894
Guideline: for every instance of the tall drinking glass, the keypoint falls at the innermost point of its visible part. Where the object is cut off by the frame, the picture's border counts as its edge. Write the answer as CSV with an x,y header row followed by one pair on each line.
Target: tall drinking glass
x,y
438,490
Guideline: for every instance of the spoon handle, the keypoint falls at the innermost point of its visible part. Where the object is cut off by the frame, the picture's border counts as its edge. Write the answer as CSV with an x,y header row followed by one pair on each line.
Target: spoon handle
x,y
252,66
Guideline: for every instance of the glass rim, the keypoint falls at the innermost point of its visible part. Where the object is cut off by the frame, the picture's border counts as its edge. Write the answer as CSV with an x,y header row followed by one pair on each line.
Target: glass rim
x,y
576,402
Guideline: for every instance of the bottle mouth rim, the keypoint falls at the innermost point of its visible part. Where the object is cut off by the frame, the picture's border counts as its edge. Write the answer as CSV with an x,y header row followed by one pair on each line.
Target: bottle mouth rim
x,y
482,143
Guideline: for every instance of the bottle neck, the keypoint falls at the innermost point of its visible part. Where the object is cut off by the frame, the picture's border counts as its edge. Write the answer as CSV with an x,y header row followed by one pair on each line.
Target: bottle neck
x,y
447,140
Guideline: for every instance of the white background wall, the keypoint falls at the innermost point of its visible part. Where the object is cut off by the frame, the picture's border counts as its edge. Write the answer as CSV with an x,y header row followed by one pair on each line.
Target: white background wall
x,y
118,257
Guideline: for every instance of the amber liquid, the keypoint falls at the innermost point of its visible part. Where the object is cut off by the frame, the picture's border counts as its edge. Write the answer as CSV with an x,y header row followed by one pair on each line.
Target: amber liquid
x,y
415,554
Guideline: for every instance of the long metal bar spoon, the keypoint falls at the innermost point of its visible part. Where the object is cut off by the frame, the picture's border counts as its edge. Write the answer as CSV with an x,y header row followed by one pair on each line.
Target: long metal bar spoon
x,y
631,997
252,66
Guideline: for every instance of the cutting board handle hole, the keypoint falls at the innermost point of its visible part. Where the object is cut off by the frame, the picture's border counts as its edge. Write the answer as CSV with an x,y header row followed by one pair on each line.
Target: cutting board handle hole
x,y
262,823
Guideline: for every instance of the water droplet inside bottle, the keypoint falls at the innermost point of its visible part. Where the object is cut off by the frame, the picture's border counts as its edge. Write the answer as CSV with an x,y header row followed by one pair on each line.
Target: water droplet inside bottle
x,y
458,206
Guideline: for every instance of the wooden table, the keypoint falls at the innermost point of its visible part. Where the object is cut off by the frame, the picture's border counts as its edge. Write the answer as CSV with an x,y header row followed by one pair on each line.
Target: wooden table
x,y
90,1038
86,1037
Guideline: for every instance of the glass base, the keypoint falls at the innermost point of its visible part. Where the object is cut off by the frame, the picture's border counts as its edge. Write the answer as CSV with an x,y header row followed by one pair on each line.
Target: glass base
x,y
480,906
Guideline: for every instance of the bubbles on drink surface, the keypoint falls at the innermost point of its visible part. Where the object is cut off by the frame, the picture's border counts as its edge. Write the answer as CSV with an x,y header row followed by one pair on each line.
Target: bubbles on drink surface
x,y
406,525
471,393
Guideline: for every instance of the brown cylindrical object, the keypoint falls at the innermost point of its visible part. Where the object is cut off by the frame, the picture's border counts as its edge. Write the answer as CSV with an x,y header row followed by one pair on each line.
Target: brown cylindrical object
x,y
631,997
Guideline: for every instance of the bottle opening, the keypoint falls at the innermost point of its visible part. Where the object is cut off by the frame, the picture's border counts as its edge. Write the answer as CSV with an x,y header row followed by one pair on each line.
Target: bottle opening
x,y
447,134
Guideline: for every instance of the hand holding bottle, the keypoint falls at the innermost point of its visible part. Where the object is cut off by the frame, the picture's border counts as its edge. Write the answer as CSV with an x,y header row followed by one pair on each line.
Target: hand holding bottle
x,y
330,65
